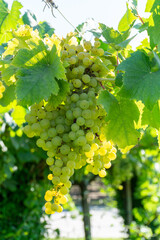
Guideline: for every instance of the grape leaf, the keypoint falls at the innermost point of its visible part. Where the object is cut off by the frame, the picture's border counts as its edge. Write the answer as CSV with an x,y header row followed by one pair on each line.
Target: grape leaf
x,y
8,73
113,36
43,29
28,18
9,21
3,11
8,96
139,82
126,20
152,118
151,5
153,31
121,116
63,91
37,79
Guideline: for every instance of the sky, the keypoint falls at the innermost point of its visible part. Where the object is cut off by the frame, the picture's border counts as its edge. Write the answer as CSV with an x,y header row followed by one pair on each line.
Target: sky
x,y
108,12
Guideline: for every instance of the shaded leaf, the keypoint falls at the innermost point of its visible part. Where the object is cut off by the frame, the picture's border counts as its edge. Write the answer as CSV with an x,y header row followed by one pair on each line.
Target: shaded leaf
x,y
55,101
121,116
139,82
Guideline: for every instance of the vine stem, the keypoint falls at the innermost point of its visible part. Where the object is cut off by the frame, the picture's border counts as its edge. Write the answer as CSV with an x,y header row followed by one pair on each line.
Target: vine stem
x,y
140,19
101,85
68,21
105,79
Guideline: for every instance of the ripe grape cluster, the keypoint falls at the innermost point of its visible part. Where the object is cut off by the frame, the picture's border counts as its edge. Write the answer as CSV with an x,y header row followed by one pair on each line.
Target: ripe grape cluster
x,y
2,89
73,133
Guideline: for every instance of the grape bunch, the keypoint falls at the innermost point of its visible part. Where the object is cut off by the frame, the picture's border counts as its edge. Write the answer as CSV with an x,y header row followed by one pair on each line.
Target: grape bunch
x,y
73,133
2,89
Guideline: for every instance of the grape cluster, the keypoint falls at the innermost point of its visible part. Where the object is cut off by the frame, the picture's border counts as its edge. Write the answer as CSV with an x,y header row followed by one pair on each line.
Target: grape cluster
x,y
2,89
73,133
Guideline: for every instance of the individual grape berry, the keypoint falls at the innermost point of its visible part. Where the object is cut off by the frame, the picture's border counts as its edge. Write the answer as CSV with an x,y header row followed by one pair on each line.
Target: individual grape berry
x,y
87,45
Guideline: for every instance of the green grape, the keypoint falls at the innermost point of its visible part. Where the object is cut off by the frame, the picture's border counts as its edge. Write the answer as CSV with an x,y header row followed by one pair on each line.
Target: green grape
x,y
89,123
97,44
79,48
63,178
86,78
72,60
51,153
50,161
87,45
75,127
71,52
71,164
64,149
86,148
86,61
66,138
68,184
48,145
74,97
72,155
86,114
80,141
80,133
72,135
64,190
65,170
40,143
45,123
51,132
89,136
69,115
80,121
81,55
57,171
84,104
77,83
59,163
49,115
56,141
55,180
83,96
59,120
60,128
77,112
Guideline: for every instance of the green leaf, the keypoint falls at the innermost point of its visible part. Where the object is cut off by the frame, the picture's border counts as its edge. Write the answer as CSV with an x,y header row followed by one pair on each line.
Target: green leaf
x,y
139,82
153,31
29,57
126,20
55,101
44,28
3,11
8,20
28,18
8,73
112,36
119,79
152,118
151,5
121,116
37,79
8,96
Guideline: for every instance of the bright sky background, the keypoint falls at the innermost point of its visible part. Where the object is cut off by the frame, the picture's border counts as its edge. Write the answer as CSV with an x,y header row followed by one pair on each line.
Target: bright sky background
x,y
108,12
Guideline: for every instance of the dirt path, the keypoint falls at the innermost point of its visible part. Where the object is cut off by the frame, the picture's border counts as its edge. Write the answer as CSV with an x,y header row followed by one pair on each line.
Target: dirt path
x,y
105,224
